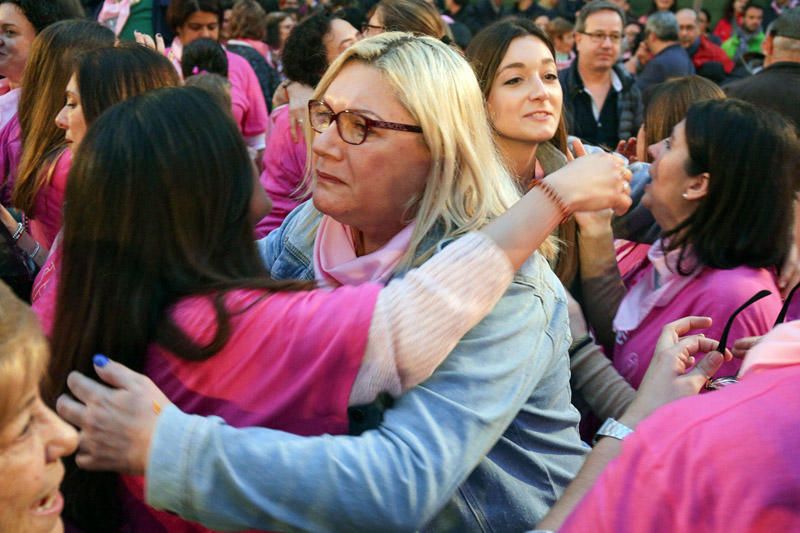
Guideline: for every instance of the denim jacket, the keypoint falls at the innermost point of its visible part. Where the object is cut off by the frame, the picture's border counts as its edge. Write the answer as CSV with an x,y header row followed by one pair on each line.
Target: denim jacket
x,y
488,443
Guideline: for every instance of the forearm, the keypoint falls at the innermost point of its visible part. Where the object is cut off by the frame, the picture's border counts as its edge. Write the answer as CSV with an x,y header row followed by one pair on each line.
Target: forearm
x,y
394,478
595,379
419,319
602,295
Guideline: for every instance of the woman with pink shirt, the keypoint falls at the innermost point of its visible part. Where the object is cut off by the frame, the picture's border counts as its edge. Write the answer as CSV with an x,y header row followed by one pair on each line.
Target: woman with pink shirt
x,y
39,187
193,19
312,46
165,242
721,191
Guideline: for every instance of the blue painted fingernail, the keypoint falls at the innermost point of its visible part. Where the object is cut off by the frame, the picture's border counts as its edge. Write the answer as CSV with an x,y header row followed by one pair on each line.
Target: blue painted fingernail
x,y
100,360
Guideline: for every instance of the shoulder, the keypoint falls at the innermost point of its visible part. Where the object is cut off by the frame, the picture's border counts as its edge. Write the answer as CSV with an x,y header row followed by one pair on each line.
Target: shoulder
x,y
719,291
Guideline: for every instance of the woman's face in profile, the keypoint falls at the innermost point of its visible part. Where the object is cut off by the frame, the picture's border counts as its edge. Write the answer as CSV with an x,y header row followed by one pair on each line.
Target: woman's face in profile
x,y
368,186
31,448
524,102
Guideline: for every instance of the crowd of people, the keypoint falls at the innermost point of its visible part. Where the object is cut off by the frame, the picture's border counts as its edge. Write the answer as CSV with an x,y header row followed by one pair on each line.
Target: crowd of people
x,y
359,265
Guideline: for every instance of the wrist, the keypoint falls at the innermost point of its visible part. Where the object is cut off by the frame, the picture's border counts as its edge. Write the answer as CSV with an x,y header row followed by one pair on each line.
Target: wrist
x,y
557,193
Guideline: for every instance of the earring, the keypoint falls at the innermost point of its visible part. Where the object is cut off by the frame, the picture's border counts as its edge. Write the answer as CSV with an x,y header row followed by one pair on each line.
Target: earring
x,y
685,196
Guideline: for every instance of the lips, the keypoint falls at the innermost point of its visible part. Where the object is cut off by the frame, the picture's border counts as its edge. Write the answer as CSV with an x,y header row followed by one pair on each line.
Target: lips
x,y
322,176
539,115
49,505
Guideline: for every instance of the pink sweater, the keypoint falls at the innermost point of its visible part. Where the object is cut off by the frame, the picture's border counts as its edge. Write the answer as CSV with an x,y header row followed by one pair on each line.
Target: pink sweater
x,y
714,293
48,210
284,165
10,155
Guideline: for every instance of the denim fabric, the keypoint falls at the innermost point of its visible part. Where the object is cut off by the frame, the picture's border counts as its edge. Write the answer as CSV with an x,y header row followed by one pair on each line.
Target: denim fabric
x,y
488,443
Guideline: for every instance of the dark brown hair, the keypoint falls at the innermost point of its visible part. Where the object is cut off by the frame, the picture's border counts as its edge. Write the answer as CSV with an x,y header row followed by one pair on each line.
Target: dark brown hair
x,y
180,10
751,155
413,16
157,209
248,21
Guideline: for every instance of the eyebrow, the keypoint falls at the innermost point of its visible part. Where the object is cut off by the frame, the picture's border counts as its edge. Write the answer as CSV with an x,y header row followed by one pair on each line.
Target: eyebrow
x,y
357,110
546,61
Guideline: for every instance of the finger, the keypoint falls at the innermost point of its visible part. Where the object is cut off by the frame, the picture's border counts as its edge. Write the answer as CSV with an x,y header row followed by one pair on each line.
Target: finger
x,y
115,374
293,127
578,148
86,389
160,46
622,147
686,324
623,205
704,370
86,461
70,410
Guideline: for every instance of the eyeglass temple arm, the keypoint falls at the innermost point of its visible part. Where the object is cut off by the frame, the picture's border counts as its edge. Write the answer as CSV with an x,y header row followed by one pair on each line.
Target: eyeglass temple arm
x,y
723,341
785,307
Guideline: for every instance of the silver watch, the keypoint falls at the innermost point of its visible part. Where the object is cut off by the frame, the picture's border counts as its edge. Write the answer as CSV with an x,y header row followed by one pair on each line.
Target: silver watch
x,y
612,428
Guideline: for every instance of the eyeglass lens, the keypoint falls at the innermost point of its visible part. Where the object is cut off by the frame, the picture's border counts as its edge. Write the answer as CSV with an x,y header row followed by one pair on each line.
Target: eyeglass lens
x,y
352,127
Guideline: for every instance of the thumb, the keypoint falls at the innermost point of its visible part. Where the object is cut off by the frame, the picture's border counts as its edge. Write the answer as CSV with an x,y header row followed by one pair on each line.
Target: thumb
x,y
113,373
704,370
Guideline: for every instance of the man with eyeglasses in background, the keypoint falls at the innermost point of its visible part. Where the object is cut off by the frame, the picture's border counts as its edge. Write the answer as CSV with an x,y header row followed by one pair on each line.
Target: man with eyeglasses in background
x,y
601,101
660,56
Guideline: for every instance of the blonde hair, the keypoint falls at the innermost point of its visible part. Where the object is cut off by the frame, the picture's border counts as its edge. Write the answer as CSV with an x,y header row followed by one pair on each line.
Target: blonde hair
x,y
23,353
468,184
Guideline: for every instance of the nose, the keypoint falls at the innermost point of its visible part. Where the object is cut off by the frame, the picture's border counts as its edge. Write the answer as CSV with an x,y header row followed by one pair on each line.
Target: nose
x,y
61,119
328,144
655,150
537,90
62,439
206,32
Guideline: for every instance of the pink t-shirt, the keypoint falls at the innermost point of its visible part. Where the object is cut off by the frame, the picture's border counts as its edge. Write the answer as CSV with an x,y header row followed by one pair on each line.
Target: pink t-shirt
x,y
284,165
714,293
723,461
247,99
48,208
289,364
10,155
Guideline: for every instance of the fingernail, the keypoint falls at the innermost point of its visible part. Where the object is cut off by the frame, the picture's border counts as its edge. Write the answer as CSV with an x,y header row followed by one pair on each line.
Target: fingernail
x,y
100,360
158,35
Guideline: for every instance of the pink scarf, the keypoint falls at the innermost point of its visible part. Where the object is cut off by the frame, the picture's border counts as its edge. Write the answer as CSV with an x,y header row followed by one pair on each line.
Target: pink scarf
x,y
336,263
657,287
115,13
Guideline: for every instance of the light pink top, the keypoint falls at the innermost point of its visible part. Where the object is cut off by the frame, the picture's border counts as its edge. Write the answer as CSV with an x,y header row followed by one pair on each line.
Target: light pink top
x,y
48,208
714,293
725,461
284,165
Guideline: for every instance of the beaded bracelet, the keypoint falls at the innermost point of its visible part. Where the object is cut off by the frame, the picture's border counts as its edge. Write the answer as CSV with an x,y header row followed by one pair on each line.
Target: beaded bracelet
x,y
554,197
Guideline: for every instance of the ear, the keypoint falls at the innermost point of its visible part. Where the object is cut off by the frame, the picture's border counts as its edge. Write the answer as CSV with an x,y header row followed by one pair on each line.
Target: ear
x,y
767,45
697,187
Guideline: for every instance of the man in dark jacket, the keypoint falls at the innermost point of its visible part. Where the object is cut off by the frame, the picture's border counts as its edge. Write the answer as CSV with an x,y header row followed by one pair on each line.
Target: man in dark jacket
x,y
665,57
601,101
777,85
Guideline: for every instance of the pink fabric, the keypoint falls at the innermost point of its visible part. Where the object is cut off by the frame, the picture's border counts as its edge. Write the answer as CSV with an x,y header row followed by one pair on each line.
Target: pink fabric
x,y
630,255
45,288
284,166
114,14
48,208
10,155
260,46
714,293
9,102
249,108
657,289
247,99
289,364
335,261
779,348
725,461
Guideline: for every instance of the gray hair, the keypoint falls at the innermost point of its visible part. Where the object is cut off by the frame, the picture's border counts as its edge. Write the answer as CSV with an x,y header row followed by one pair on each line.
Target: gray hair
x,y
663,25
595,7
